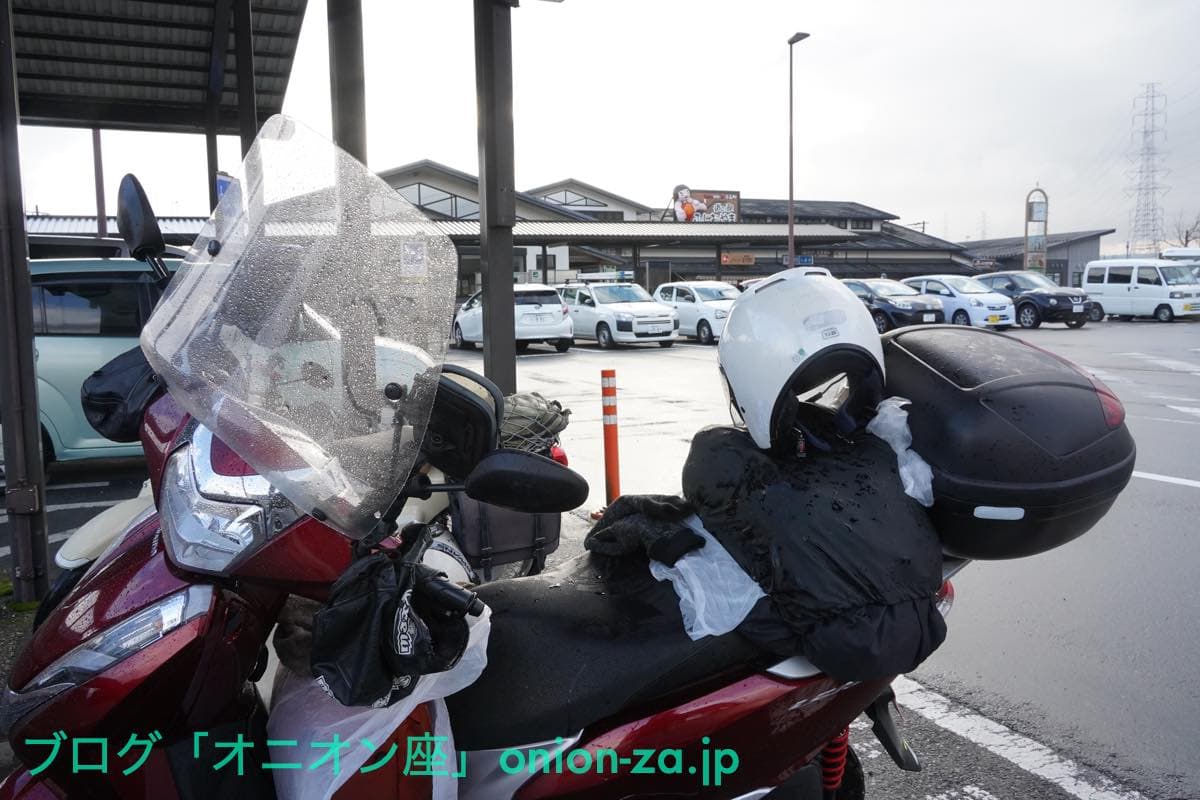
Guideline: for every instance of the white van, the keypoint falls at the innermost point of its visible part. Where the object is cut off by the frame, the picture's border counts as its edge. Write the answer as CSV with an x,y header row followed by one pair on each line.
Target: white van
x,y
1142,287
1188,256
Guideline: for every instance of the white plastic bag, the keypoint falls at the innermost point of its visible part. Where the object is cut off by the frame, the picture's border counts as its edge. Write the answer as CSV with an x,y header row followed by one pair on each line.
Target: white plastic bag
x,y
891,425
303,712
715,594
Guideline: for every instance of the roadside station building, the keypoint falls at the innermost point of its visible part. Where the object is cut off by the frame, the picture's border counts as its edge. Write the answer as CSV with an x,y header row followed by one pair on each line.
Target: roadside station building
x,y
1066,254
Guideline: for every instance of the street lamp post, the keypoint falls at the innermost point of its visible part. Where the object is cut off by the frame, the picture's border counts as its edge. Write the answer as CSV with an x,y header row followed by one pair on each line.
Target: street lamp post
x,y
791,262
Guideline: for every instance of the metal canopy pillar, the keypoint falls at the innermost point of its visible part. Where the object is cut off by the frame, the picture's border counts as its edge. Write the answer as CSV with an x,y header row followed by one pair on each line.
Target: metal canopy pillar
x,y
247,95
497,189
216,85
347,81
98,169
24,491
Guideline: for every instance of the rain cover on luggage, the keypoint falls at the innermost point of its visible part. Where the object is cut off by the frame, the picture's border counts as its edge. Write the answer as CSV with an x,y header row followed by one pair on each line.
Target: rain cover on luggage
x,y
308,326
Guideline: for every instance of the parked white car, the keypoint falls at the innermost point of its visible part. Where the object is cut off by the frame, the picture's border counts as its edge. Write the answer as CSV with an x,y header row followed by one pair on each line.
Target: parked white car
x,y
1142,287
703,306
539,314
623,313
966,301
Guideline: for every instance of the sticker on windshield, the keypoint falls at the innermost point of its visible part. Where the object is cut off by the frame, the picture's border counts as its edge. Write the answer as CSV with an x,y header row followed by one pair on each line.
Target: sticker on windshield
x,y
412,258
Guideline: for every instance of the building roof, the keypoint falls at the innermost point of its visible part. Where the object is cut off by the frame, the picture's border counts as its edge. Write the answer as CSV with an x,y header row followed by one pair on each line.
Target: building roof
x,y
702,233
145,65
54,225
898,237
587,187
820,209
1015,245
426,164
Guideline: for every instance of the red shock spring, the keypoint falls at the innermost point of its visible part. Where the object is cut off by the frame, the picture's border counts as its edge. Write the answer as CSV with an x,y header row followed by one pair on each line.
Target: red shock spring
x,y
833,761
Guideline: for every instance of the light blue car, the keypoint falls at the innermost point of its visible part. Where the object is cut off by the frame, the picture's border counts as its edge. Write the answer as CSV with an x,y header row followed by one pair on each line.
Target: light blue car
x,y
85,312
966,301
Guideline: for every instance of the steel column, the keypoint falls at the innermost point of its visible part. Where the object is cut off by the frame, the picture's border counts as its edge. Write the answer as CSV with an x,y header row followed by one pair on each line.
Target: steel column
x,y
24,493
216,85
718,261
347,82
497,188
98,167
247,95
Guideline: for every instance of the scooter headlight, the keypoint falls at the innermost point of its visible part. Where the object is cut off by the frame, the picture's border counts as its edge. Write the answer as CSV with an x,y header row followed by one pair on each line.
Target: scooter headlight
x,y
203,534
126,638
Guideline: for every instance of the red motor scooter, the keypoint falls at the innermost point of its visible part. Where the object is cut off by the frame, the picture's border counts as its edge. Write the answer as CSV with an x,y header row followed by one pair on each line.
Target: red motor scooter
x,y
592,688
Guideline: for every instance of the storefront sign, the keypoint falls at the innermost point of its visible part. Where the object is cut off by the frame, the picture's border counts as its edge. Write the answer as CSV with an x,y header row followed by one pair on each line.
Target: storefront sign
x,y
737,259
702,205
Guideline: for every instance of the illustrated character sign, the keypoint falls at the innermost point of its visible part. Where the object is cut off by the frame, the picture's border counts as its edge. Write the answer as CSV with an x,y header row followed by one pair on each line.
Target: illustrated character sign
x,y
686,206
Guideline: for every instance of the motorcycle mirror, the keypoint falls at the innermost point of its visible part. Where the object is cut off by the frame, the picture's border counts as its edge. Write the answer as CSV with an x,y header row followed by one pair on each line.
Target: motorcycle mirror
x,y
525,482
137,223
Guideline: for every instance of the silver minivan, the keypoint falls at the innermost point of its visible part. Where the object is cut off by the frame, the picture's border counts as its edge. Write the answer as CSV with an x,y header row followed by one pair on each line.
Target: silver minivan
x,y
1141,287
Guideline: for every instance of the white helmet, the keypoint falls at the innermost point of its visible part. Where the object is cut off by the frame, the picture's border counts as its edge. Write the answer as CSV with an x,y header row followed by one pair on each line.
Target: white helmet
x,y
791,333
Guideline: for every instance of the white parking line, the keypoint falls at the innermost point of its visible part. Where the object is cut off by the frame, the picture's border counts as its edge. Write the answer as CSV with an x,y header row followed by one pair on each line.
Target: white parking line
x,y
69,507
1186,409
52,538
1031,756
1167,363
1152,476
1165,419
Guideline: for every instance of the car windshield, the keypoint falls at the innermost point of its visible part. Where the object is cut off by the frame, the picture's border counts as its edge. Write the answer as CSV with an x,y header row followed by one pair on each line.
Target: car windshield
x,y
544,297
1177,276
717,292
1033,280
891,288
321,379
622,293
965,285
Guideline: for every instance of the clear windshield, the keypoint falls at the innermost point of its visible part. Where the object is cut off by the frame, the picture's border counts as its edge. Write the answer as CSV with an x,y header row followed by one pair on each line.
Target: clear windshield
x,y
891,288
1177,276
966,285
630,293
1033,280
717,292
308,326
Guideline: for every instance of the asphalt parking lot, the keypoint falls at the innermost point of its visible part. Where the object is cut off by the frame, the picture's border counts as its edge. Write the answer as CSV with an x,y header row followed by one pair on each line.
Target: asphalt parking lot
x,y
1069,674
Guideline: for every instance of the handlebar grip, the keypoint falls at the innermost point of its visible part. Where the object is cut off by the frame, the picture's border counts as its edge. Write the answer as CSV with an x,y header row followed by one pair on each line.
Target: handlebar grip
x,y
434,586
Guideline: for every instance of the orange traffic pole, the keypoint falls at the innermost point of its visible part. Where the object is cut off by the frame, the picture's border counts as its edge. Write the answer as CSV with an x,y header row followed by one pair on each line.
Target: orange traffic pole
x,y
612,468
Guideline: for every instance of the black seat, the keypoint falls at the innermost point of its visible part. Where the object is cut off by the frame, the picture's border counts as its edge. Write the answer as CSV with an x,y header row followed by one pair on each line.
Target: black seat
x,y
579,644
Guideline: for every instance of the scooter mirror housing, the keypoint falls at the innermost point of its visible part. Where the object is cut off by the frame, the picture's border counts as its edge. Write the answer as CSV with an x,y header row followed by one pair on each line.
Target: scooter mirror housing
x,y
137,223
526,482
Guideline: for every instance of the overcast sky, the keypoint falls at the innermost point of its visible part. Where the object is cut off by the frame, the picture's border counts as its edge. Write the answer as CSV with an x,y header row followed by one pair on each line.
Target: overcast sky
x,y
941,110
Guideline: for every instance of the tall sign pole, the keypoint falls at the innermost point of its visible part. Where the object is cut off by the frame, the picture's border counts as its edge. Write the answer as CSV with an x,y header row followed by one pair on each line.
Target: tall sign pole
x,y
1036,211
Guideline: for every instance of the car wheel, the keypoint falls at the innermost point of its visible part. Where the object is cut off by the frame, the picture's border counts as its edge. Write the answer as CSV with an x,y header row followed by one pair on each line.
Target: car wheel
x,y
563,345
604,336
1164,313
47,446
1097,313
1125,317
460,342
961,318
522,347
666,344
704,332
61,587
881,321
1076,323
1028,316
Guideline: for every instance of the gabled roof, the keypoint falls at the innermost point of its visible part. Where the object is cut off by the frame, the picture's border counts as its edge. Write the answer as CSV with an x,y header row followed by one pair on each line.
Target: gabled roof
x,y
568,183
898,237
145,65
826,209
426,165
1015,245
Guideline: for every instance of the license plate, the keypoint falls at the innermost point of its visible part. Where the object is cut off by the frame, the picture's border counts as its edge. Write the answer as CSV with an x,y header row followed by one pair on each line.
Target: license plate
x,y
994,318
929,317
1077,308
537,317
656,329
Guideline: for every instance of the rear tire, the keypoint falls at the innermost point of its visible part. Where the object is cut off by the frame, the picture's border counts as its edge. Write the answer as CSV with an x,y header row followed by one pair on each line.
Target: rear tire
x,y
881,322
854,782
563,345
460,342
47,447
604,336
1028,316
961,318
1076,323
1097,313
1164,313
704,332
